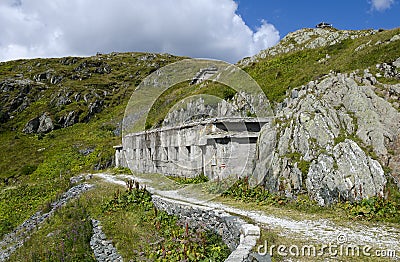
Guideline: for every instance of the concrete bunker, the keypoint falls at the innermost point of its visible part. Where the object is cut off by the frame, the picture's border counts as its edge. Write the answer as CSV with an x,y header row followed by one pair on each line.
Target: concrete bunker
x,y
216,147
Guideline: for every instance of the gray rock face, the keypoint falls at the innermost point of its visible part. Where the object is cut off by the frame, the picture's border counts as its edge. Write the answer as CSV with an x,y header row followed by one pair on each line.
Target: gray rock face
x,y
241,105
45,124
266,146
62,100
49,75
390,70
32,126
326,139
93,108
349,175
42,124
70,119
15,98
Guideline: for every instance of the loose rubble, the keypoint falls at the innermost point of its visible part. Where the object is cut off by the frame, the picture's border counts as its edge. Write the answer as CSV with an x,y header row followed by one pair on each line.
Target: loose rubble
x,y
103,249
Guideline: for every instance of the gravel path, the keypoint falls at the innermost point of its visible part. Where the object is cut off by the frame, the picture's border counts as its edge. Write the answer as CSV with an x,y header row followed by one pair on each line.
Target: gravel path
x,y
323,231
320,231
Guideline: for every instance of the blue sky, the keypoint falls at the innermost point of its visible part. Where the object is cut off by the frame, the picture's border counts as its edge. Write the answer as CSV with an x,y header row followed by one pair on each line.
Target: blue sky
x,y
222,29
290,15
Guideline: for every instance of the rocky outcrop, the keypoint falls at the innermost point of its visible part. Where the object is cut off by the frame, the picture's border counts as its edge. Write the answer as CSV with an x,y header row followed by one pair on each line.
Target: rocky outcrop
x,y
240,105
331,141
348,174
69,119
389,69
86,68
308,38
45,123
42,124
32,126
93,108
49,76
16,95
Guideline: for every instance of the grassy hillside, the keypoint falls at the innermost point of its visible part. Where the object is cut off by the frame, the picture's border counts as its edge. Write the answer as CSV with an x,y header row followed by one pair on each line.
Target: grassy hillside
x,y
35,168
282,72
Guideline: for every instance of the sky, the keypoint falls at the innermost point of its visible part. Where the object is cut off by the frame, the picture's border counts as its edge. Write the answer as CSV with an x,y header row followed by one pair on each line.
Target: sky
x,y
221,29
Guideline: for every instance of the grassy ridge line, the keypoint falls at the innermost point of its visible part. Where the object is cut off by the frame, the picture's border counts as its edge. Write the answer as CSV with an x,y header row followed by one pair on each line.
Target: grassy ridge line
x,y
278,74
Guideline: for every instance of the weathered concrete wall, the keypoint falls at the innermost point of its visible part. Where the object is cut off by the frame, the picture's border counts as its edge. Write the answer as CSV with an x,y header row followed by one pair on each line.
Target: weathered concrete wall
x,y
120,156
216,148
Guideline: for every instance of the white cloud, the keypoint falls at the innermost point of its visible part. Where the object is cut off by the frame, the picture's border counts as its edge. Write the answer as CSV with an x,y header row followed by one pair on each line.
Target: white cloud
x,y
381,5
207,28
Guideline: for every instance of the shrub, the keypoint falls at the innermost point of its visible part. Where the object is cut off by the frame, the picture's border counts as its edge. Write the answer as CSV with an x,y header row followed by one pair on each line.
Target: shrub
x,y
28,169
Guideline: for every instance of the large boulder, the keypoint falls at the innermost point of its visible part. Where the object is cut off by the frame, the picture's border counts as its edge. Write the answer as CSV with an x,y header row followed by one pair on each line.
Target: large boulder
x,y
45,123
42,124
32,126
93,108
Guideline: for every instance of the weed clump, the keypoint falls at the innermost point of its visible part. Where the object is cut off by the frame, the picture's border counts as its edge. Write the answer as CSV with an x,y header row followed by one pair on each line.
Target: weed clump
x,y
175,240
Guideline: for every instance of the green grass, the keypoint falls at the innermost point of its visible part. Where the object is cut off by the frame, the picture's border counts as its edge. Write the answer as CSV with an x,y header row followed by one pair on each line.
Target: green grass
x,y
64,237
35,168
189,180
128,218
54,165
174,240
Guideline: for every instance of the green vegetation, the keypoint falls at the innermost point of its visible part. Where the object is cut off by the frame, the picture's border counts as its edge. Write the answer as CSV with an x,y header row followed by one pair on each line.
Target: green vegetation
x,y
302,164
65,237
129,218
189,180
170,240
377,208
113,90
26,191
35,168
374,208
